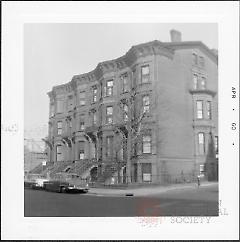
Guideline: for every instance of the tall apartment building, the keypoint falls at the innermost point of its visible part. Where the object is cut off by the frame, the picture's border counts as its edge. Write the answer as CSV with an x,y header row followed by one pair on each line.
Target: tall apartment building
x,y
174,84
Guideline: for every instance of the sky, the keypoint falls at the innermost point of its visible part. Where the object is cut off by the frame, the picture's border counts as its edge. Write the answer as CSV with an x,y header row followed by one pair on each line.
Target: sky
x,y
53,53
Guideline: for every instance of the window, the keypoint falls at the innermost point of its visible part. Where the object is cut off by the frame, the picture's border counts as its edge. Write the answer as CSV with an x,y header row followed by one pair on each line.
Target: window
x,y
203,83
94,117
109,115
60,104
216,144
202,169
109,88
94,91
82,125
125,112
82,100
124,79
51,110
59,127
195,81
81,150
109,146
209,110
200,109
146,103
146,143
195,59
201,143
201,61
58,152
145,74
134,78
70,103
147,172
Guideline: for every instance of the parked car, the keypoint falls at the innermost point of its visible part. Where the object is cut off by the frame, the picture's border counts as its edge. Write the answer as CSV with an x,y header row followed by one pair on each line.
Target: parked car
x,y
38,184
76,189
29,184
67,182
55,186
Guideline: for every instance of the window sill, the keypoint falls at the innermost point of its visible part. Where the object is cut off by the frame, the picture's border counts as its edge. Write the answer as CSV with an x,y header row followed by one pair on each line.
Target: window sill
x,y
144,83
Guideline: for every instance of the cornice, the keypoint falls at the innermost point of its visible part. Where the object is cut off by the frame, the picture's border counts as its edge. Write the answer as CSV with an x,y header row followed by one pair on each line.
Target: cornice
x,y
155,47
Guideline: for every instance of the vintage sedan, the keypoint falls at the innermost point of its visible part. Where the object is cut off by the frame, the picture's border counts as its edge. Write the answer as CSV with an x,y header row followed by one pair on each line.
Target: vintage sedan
x,y
55,186
76,183
76,188
66,182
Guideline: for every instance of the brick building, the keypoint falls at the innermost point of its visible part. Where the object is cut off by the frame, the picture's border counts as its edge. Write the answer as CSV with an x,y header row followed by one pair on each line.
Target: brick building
x,y
171,86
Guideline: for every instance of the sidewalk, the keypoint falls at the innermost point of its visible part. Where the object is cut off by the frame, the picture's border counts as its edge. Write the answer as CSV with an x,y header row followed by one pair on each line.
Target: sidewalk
x,y
145,191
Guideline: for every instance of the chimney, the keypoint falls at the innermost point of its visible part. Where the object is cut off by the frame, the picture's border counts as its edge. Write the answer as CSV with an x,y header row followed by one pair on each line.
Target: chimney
x,y
176,36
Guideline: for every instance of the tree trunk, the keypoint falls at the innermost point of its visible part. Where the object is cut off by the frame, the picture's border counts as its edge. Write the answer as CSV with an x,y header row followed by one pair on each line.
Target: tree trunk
x,y
128,166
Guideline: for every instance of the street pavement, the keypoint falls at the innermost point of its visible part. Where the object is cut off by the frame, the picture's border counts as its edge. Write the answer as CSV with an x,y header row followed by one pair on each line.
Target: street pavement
x,y
185,200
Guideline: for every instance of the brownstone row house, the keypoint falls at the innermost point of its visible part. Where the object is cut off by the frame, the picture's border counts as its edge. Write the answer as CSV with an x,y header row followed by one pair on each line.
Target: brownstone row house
x,y
175,86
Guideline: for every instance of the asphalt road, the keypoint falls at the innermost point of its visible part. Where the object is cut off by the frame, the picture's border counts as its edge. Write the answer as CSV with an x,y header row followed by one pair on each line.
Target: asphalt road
x,y
201,201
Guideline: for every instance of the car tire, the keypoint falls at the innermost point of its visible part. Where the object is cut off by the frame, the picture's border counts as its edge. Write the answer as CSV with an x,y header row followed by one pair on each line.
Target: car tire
x,y
61,189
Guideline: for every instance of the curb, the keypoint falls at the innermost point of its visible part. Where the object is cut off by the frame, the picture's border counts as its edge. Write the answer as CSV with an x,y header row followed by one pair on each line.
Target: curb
x,y
161,190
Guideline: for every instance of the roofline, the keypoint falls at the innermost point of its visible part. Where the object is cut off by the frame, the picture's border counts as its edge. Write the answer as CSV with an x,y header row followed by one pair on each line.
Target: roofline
x,y
190,44
169,46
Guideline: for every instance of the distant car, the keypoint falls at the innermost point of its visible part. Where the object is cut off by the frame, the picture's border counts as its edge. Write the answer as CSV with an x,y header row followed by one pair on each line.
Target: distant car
x,y
29,184
38,184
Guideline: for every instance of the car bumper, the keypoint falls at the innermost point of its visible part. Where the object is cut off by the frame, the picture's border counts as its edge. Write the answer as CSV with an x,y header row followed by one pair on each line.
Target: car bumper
x,y
76,190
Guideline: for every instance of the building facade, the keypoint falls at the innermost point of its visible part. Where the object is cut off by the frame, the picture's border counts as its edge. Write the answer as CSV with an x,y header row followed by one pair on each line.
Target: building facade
x,y
161,94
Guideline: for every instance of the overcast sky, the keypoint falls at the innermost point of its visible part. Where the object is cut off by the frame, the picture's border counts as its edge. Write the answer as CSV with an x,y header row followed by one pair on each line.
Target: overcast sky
x,y
53,53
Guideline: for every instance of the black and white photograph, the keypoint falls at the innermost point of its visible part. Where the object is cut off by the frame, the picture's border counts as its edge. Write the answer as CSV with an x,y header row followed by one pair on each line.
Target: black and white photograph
x,y
121,122
138,125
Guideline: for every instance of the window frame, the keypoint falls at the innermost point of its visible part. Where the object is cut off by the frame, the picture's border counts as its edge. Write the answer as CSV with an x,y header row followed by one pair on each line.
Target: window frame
x,y
146,142
57,151
209,109
52,111
70,103
147,107
145,76
108,88
59,128
201,61
94,93
216,144
125,112
195,59
109,146
201,144
81,153
60,105
125,83
81,150
195,81
199,111
203,83
109,116
82,100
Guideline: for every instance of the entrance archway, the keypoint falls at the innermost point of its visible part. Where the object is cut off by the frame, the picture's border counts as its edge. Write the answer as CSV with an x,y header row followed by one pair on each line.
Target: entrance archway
x,y
93,174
